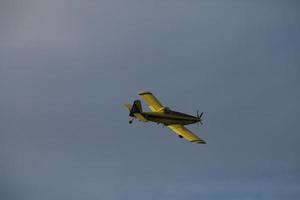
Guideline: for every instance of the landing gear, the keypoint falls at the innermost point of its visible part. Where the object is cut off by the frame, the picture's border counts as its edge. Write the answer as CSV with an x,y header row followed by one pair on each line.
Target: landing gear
x,y
180,136
130,121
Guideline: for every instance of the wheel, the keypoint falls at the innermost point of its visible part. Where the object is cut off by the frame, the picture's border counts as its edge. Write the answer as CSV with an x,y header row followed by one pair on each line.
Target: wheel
x,y
180,136
130,121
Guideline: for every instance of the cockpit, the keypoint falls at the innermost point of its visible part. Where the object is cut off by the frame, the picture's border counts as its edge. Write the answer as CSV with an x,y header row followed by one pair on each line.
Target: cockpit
x,y
167,110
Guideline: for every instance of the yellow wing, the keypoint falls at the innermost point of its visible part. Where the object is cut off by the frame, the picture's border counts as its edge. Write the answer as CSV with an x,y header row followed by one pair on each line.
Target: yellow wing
x,y
152,102
186,133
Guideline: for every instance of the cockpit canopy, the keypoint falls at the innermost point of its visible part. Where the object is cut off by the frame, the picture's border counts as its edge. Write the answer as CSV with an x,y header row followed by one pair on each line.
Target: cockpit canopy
x,y
167,109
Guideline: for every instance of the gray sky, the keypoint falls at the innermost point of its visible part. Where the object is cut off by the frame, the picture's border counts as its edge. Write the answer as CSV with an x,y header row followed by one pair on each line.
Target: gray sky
x,y
67,67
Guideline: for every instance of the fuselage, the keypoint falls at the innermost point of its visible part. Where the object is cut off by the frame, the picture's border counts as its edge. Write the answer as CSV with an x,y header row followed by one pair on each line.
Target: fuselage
x,y
170,117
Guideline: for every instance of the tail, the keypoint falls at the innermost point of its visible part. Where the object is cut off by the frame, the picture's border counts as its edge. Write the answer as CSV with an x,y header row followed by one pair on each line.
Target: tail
x,y
128,106
136,111
135,108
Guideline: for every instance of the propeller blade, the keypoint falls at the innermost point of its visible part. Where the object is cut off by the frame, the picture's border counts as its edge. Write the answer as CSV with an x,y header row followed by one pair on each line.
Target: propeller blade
x,y
201,115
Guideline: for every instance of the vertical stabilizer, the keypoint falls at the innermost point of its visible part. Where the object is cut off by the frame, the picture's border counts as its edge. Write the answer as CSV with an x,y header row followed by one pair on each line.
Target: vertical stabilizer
x,y
136,107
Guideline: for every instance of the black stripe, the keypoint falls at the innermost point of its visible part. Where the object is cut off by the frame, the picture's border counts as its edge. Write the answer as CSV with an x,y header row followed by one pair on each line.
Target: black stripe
x,y
164,117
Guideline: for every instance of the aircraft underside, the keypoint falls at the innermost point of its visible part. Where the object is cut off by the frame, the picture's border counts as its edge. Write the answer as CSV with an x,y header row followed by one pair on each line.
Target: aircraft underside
x,y
168,119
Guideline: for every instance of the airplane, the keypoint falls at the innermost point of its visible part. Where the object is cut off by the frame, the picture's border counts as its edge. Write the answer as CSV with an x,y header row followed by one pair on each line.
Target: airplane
x,y
164,115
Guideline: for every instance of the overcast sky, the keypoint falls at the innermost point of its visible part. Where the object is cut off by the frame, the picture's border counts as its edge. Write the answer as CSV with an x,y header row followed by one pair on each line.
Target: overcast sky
x,y
68,66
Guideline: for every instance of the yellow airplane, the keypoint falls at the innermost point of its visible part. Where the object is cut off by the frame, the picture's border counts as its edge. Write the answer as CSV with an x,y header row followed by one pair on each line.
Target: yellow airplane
x,y
164,115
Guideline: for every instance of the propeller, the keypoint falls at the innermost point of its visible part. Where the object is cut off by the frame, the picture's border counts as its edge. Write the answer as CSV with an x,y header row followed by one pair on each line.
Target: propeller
x,y
199,117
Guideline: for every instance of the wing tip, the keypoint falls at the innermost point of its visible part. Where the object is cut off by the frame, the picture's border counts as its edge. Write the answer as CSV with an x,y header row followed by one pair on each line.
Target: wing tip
x,y
199,142
144,93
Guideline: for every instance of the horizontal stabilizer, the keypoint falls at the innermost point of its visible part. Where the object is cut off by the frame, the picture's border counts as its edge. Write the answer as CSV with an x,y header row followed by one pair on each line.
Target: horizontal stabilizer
x,y
128,106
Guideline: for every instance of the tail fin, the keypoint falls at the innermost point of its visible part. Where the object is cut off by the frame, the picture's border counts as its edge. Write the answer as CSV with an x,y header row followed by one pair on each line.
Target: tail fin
x,y
136,108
